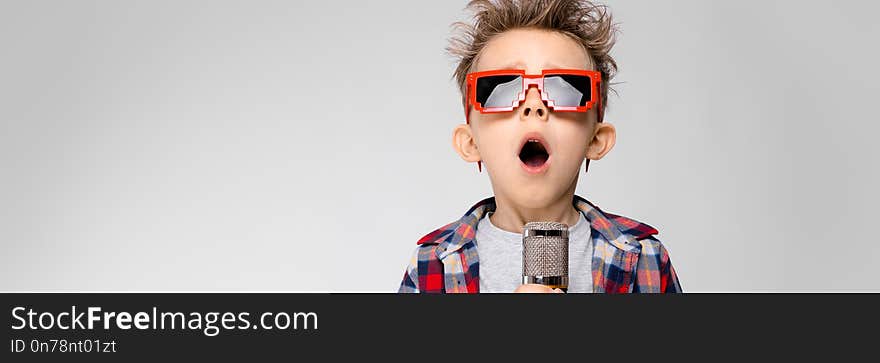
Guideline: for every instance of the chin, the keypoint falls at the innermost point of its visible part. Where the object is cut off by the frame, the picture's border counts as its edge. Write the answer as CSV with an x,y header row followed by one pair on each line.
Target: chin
x,y
535,197
536,194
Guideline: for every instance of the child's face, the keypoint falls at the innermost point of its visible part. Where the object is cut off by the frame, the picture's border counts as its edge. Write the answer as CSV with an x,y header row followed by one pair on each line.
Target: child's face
x,y
497,139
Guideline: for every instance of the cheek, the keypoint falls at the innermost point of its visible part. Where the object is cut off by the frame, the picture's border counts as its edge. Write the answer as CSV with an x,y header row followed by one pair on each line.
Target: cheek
x,y
494,138
575,137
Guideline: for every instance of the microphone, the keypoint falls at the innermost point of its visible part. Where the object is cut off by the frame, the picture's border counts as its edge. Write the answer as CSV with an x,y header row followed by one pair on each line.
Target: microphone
x,y
545,254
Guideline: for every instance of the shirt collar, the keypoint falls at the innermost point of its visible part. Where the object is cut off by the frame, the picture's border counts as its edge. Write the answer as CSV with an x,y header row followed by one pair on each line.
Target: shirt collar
x,y
621,232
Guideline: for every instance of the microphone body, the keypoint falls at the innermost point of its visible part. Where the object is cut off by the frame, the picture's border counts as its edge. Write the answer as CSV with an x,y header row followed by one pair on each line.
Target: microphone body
x,y
545,254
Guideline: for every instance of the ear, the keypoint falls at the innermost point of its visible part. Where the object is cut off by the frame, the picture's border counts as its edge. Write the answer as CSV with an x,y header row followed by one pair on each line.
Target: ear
x,y
464,143
603,141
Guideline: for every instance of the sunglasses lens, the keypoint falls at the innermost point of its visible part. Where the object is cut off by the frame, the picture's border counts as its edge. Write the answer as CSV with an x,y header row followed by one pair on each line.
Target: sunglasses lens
x,y
498,91
568,90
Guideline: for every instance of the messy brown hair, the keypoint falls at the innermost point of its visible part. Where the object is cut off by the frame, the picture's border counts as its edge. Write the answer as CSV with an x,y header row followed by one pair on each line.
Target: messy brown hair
x,y
587,23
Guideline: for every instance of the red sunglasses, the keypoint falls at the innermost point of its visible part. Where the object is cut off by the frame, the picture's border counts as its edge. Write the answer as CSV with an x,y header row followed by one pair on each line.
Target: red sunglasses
x,y
503,90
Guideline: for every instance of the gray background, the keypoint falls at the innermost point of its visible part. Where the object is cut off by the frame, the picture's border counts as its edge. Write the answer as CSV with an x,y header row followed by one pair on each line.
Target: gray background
x,y
277,145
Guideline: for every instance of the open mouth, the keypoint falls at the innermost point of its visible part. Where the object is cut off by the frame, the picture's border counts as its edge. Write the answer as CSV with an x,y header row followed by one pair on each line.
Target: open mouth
x,y
534,154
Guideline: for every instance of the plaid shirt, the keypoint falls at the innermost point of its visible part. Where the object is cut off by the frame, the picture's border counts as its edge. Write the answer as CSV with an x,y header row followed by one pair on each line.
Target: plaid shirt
x,y
626,256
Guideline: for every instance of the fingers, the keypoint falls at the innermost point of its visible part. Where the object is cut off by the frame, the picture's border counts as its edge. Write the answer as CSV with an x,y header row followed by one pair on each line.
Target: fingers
x,y
536,289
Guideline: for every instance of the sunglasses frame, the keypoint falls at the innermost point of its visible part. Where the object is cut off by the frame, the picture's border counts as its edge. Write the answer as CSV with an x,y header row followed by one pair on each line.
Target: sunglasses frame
x,y
528,81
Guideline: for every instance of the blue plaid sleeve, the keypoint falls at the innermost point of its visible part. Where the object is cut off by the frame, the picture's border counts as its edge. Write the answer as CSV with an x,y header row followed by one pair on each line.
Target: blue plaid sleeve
x,y
410,276
668,278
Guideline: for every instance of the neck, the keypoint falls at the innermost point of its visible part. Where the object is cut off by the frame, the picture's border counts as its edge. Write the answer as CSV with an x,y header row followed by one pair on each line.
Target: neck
x,y
511,217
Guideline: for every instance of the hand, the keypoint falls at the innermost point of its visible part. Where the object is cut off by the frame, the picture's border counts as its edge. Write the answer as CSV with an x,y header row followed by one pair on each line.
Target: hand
x,y
536,288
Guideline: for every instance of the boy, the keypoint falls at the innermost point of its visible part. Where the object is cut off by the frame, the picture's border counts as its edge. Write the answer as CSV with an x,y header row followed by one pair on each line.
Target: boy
x,y
534,80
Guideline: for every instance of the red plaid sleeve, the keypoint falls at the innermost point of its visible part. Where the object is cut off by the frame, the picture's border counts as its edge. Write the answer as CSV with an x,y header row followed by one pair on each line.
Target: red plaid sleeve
x,y
424,273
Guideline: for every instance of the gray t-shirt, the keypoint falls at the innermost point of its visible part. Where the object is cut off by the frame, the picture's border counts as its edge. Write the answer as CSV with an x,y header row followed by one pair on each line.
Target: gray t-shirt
x,y
500,254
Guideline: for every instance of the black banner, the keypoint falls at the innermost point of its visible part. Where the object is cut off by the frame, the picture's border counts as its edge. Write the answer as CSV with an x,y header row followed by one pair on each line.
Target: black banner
x,y
125,326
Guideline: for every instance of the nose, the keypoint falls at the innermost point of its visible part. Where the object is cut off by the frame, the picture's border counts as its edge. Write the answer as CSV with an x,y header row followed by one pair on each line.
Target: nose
x,y
533,105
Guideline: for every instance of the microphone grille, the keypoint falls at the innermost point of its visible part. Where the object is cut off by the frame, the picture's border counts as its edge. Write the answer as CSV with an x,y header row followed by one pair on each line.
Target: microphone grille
x,y
545,249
